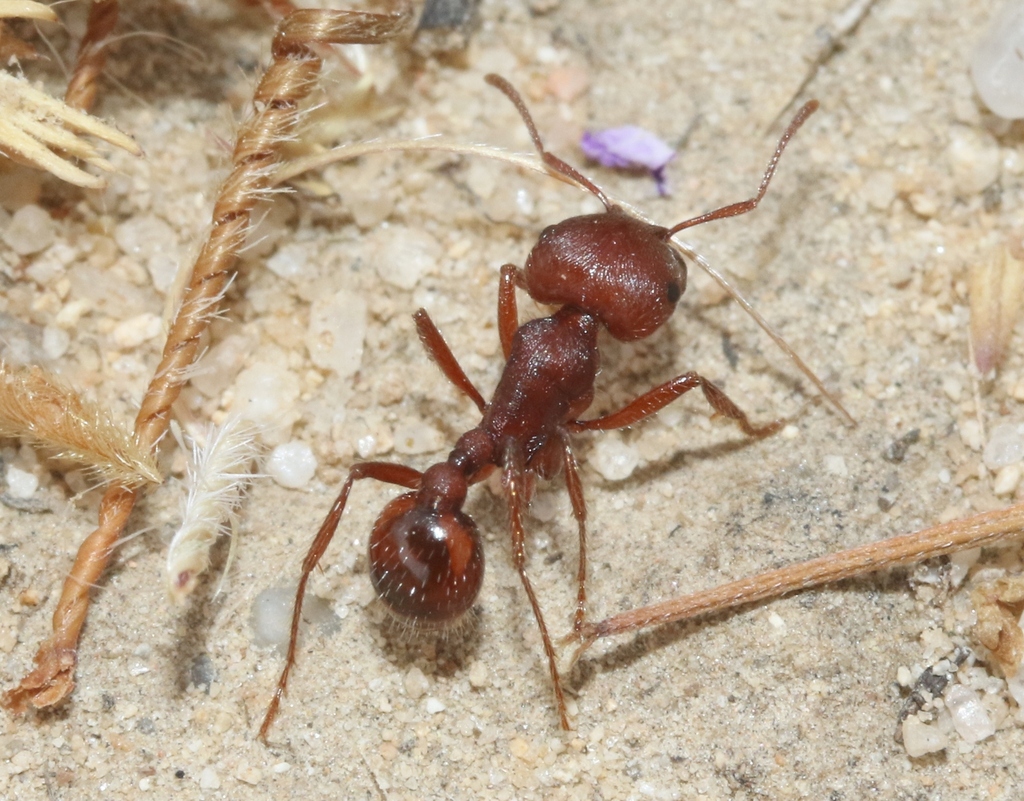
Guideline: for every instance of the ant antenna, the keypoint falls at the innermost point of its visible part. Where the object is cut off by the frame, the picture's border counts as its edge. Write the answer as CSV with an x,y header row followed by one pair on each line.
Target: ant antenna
x,y
550,159
734,209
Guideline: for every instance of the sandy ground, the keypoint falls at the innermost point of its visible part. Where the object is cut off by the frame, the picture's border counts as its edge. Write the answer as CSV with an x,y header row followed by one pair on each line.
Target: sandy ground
x,y
859,256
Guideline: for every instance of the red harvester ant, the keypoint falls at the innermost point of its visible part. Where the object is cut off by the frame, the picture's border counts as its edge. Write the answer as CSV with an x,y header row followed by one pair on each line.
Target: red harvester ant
x,y
609,269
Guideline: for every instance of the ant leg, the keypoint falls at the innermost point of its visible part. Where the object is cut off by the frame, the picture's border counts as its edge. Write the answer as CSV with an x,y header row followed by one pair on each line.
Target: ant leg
x,y
550,159
382,471
442,355
661,396
734,209
508,308
514,480
579,511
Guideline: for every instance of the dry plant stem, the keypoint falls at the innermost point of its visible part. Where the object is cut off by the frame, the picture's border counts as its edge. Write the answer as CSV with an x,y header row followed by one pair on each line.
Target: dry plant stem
x,y
92,54
288,80
973,532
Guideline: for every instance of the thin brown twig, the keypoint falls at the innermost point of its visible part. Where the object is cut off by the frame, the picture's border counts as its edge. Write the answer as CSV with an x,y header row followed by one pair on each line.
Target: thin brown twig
x,y
973,532
287,81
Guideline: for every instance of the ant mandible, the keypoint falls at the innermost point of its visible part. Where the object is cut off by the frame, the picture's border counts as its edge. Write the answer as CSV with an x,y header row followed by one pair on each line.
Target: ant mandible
x,y
609,269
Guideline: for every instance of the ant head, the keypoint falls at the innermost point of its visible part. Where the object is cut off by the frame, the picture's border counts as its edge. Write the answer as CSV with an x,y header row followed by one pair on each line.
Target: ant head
x,y
426,563
614,266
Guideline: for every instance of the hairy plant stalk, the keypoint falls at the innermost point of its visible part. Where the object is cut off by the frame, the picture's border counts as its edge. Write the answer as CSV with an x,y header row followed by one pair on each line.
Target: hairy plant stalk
x,y
92,54
35,406
287,81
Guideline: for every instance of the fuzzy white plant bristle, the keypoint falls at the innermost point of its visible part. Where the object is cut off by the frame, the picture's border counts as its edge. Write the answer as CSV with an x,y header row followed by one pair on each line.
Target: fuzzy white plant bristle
x,y
219,473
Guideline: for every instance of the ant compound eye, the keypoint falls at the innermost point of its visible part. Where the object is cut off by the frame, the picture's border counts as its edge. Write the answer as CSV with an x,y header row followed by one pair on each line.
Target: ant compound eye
x,y
674,293
425,565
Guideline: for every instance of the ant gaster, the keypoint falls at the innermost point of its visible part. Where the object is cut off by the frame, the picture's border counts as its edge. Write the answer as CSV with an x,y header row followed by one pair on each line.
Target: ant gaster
x,y
609,269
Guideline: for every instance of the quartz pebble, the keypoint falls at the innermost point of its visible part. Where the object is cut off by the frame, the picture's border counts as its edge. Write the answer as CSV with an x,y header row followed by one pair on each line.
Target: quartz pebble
x,y
271,616
970,718
291,464
30,230
401,255
922,738
208,779
416,684
136,330
265,393
1005,446
221,364
21,483
614,459
337,329
416,437
153,243
56,341
434,706
996,66
290,262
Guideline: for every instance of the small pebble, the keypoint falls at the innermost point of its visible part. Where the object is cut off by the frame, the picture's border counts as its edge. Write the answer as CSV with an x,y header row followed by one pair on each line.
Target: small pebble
x,y
208,779
960,564
922,738
996,66
56,342
291,465
266,393
415,438
953,388
1015,684
337,329
248,774
401,255
433,706
30,230
416,684
271,616
836,466
218,368
152,242
290,262
135,330
614,459
1005,446
478,674
21,483
203,672
1007,479
970,718
970,434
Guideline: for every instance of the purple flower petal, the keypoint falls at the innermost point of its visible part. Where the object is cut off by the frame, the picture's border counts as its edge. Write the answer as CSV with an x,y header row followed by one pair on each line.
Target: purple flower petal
x,y
629,147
